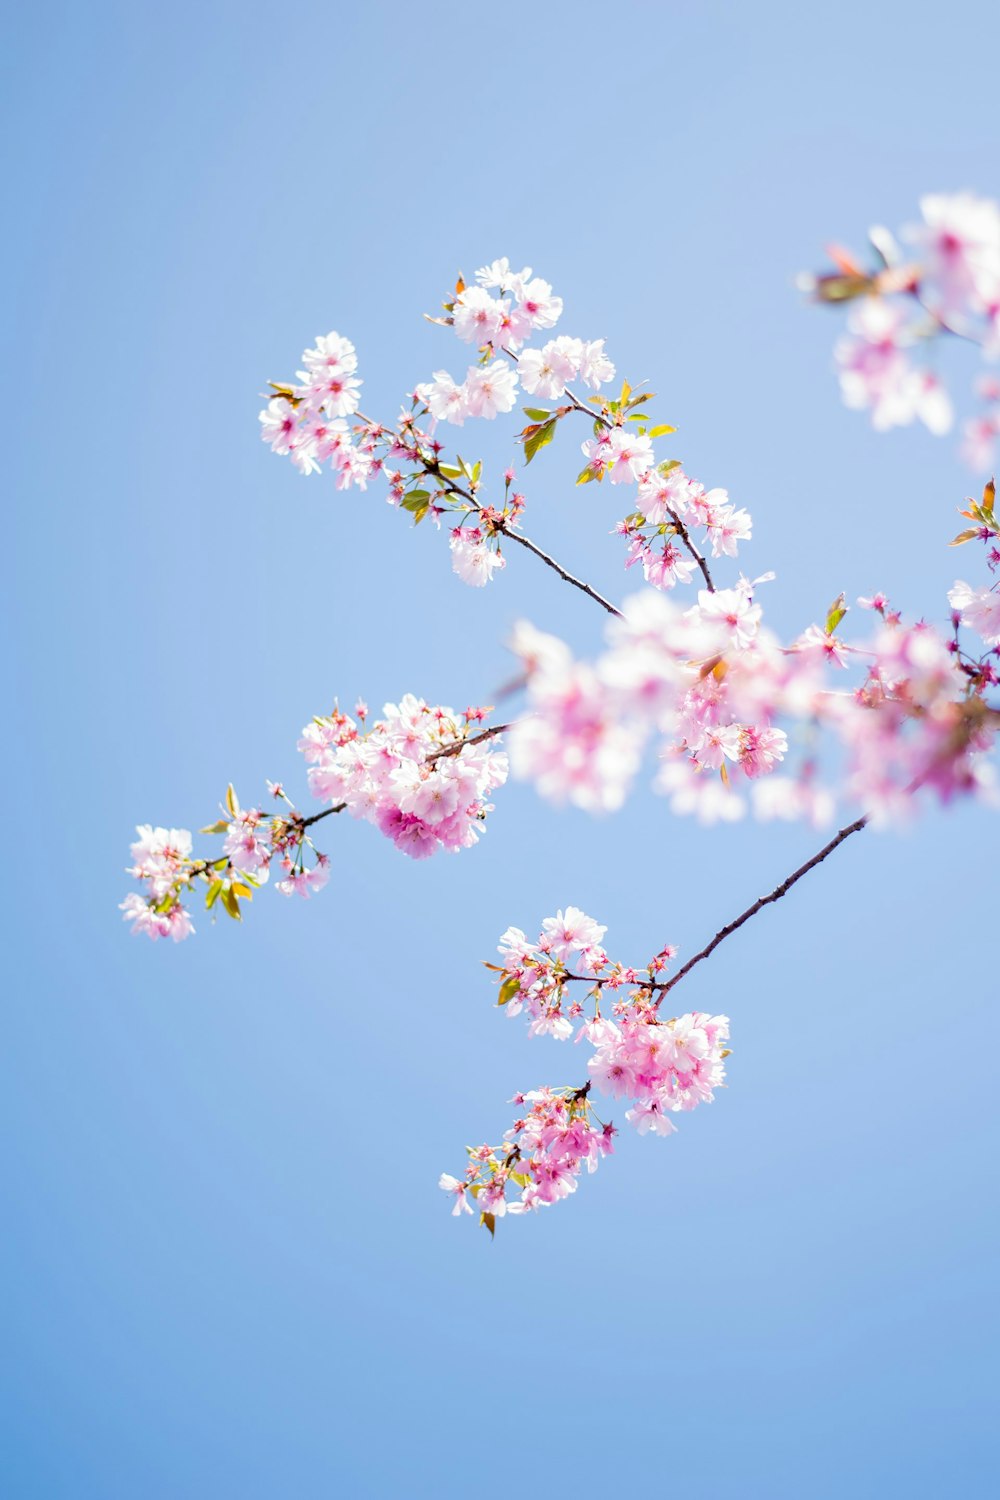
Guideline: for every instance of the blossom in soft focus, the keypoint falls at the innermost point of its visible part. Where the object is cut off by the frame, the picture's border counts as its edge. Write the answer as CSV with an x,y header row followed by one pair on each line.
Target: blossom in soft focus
x,y
725,704
876,373
947,287
959,248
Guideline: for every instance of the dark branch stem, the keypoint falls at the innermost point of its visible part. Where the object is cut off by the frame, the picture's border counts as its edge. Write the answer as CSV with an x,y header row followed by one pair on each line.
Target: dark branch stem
x,y
473,739
433,468
598,981
326,813
762,901
550,562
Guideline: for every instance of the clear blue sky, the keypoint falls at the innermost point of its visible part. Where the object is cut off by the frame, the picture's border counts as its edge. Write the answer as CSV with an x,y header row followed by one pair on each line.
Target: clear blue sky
x,y
226,1266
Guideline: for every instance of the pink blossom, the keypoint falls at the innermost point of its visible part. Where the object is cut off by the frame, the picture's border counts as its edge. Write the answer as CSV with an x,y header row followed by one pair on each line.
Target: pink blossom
x,y
571,931
490,389
875,372
444,399
629,456
959,241
393,776
547,371
476,315
536,301
472,558
458,1190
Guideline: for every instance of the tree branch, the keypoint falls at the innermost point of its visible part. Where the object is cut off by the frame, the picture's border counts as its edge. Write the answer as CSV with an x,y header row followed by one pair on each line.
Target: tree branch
x,y
473,739
762,901
433,468
676,521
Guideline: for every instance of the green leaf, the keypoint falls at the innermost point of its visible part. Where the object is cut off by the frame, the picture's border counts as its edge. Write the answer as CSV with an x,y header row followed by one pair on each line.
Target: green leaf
x,y
219,827
834,615
539,439
212,894
508,990
418,503
491,1223
667,465
661,430
230,902
231,801
537,413
964,536
586,475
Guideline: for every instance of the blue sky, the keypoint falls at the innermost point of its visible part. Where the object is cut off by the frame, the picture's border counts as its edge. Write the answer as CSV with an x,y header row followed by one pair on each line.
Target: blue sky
x,y
227,1268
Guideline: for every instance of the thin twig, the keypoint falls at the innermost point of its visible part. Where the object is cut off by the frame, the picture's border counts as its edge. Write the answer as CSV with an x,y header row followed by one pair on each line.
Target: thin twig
x,y
326,813
459,745
433,468
550,562
762,901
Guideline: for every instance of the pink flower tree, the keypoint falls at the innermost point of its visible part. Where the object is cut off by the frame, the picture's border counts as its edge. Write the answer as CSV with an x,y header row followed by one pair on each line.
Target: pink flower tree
x,y
691,687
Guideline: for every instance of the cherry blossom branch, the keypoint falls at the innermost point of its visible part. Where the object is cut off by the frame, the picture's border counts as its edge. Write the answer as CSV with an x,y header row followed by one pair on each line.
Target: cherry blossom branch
x,y
433,469
682,531
326,813
762,901
550,562
737,923
459,745
406,773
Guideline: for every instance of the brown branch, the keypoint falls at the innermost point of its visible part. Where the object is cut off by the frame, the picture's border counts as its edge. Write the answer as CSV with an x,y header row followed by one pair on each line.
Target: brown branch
x,y
433,468
762,901
339,807
550,562
473,739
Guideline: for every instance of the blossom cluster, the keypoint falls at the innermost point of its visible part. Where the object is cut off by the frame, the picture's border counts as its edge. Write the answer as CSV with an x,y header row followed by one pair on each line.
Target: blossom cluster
x,y
670,506
420,773
946,281
540,1158
307,420
499,326
721,695
161,860
164,865
662,1066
